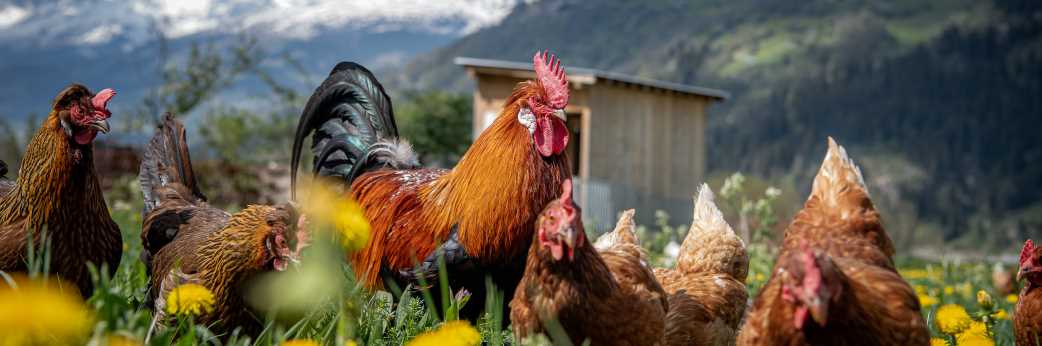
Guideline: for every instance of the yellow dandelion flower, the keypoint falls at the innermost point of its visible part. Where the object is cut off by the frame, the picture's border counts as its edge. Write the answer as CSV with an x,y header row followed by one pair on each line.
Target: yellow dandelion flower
x,y
984,300
760,277
952,319
302,342
332,209
42,313
927,301
938,342
949,290
452,333
975,329
920,289
974,340
1012,299
1002,315
189,299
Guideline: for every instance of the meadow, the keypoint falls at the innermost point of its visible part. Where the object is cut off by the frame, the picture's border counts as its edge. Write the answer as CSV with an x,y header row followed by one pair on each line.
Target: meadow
x,y
318,301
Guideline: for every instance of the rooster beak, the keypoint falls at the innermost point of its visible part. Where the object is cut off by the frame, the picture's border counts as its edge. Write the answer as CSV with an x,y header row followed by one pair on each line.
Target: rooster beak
x,y
559,113
102,125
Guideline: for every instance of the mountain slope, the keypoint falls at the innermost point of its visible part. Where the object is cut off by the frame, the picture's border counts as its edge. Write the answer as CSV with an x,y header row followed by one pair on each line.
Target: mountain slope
x,y
939,95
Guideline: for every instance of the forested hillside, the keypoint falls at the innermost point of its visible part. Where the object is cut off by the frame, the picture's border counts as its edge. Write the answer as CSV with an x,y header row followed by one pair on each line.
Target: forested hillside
x,y
940,98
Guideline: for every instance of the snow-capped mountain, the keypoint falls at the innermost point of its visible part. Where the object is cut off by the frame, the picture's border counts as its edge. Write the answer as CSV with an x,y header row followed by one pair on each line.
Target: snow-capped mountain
x,y
44,45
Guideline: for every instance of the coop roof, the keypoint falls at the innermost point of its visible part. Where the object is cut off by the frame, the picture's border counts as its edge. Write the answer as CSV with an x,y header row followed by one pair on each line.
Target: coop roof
x,y
590,76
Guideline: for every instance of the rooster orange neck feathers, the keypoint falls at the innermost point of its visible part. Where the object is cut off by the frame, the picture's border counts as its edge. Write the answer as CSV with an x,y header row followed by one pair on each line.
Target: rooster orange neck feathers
x,y
507,165
499,171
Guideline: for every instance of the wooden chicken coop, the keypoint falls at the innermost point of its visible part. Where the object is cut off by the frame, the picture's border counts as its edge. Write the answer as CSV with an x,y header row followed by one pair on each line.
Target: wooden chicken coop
x,y
634,142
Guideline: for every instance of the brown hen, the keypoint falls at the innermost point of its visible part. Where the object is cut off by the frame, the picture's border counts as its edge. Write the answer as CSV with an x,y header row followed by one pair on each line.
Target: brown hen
x,y
609,297
815,299
834,282
838,217
1027,316
57,190
707,294
188,241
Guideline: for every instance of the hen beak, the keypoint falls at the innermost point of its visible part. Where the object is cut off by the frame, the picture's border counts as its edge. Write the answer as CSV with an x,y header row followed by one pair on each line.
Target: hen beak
x,y
1025,271
102,125
819,311
569,236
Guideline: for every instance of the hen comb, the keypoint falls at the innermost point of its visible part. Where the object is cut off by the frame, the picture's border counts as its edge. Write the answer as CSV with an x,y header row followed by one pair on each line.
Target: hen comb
x,y
1025,252
566,191
550,73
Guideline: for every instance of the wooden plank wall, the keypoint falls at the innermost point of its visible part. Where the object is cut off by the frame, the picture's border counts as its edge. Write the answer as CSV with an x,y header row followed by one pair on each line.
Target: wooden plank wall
x,y
647,148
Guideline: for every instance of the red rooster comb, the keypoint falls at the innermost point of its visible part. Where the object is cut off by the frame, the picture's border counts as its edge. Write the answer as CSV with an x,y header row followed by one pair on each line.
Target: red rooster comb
x,y
1025,252
550,73
101,100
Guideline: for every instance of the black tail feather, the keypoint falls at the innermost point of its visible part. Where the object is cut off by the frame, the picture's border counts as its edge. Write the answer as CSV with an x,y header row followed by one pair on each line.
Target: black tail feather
x,y
3,169
348,114
166,161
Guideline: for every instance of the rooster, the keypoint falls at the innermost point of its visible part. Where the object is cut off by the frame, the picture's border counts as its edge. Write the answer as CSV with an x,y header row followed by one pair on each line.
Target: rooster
x,y
186,240
1027,316
57,191
479,216
834,282
707,294
607,296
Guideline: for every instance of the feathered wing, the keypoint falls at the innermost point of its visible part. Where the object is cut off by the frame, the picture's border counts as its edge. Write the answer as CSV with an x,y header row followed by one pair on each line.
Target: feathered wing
x,y
166,172
886,296
177,219
352,123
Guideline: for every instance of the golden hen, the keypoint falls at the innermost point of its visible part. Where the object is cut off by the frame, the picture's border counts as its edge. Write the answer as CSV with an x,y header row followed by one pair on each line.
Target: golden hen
x,y
188,241
57,190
